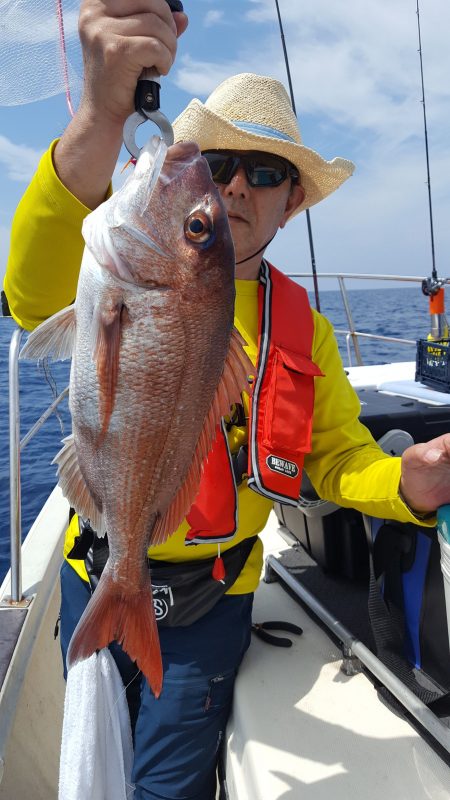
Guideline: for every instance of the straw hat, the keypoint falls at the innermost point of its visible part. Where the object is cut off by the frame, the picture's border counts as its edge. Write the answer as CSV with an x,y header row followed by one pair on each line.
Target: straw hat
x,y
253,112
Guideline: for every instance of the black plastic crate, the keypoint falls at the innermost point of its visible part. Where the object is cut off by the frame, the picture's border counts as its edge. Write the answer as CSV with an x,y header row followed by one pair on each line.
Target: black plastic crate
x,y
433,363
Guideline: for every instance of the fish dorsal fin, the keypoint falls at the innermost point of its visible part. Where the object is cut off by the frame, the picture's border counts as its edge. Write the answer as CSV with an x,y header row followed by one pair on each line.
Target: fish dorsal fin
x,y
233,382
53,338
74,488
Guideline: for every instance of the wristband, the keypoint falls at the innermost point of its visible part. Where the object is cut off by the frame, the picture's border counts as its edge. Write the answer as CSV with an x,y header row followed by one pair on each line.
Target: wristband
x,y
423,516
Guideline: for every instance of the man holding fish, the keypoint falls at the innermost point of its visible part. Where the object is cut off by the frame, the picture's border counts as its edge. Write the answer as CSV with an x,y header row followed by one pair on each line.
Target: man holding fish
x,y
168,452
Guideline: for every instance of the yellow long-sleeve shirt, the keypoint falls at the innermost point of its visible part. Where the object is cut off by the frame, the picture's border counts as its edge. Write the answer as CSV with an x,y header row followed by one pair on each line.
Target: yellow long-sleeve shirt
x,y
345,465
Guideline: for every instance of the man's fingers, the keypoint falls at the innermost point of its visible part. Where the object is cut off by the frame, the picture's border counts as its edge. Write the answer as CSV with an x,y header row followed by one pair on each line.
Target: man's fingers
x,y
181,22
145,52
120,9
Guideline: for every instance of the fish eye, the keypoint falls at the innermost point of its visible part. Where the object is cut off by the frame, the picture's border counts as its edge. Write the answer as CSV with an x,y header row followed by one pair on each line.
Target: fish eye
x,y
198,227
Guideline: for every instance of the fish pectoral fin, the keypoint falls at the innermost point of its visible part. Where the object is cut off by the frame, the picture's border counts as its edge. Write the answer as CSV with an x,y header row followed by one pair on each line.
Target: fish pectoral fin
x,y
107,323
53,338
74,488
234,381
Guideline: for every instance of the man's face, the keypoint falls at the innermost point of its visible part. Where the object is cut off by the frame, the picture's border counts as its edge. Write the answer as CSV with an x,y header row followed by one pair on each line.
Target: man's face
x,y
256,212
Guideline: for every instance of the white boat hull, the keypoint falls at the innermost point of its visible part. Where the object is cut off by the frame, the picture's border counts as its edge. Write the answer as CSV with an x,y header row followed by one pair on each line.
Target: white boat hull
x,y
32,695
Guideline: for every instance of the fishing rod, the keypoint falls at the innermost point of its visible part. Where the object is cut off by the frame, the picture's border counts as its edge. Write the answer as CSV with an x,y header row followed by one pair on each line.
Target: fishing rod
x,y
434,275
431,287
308,215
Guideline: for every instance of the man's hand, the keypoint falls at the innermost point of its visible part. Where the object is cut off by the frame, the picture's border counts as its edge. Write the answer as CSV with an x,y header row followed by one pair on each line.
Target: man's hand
x,y
119,39
425,479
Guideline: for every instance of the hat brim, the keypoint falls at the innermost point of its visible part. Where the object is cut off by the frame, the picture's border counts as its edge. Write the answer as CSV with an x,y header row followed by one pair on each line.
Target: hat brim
x,y
211,131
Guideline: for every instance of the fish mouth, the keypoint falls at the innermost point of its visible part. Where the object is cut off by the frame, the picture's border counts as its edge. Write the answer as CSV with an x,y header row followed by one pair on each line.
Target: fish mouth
x,y
179,157
181,151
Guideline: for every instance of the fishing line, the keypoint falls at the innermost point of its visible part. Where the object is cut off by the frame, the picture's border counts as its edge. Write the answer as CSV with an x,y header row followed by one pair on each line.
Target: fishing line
x,y
45,364
136,675
308,216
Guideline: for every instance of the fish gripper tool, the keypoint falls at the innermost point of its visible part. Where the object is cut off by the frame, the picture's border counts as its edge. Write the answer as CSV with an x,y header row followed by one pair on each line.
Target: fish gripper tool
x,y
146,103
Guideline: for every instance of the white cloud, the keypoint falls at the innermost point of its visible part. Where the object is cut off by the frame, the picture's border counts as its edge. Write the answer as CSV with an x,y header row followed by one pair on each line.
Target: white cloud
x,y
362,69
357,70
19,160
199,78
377,222
213,18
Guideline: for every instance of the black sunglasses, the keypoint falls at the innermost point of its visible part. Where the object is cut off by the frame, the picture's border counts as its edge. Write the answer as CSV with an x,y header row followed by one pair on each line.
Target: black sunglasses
x,y
261,169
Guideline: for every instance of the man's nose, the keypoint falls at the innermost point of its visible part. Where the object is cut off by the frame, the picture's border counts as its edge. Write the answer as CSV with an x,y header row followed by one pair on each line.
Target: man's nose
x,y
238,185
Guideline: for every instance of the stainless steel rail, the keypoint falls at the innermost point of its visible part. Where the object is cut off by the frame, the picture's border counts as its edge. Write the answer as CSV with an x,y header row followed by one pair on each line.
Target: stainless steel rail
x,y
14,467
352,331
352,334
15,448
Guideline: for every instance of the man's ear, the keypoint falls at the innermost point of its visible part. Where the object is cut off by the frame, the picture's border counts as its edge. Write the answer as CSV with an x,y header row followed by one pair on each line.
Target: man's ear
x,y
294,200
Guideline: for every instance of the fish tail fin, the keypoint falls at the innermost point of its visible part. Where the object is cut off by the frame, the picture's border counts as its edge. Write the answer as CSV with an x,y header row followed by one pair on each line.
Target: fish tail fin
x,y
127,618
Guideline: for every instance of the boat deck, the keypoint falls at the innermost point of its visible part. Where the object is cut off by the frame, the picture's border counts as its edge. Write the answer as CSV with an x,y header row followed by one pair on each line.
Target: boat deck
x,y
302,729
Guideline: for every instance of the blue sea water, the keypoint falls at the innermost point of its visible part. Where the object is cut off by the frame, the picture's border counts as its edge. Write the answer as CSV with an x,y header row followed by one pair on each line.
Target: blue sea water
x,y
390,312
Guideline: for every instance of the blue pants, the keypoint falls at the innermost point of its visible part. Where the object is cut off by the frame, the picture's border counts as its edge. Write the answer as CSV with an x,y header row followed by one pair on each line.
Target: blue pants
x,y
177,737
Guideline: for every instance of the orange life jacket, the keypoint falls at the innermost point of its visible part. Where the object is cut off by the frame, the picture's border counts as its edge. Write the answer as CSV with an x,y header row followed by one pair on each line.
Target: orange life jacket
x,y
280,419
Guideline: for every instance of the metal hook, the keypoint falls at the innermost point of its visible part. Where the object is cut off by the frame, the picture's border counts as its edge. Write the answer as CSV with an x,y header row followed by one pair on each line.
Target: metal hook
x,y
138,118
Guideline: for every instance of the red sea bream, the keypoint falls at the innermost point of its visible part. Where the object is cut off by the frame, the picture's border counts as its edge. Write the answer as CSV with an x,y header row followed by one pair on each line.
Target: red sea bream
x,y
155,364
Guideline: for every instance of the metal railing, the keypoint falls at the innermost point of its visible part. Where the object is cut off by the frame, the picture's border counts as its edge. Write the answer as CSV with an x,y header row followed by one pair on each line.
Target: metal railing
x,y
352,335
16,446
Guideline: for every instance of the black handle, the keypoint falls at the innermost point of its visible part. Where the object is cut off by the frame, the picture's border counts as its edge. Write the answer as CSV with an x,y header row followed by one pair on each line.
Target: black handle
x,y
175,5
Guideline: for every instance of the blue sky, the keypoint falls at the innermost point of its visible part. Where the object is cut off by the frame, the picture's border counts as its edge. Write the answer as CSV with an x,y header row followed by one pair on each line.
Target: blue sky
x,y
355,71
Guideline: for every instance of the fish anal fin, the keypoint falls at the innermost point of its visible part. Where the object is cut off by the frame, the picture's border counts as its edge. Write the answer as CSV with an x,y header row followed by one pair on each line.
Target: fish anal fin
x,y
53,338
108,321
233,382
128,618
74,488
